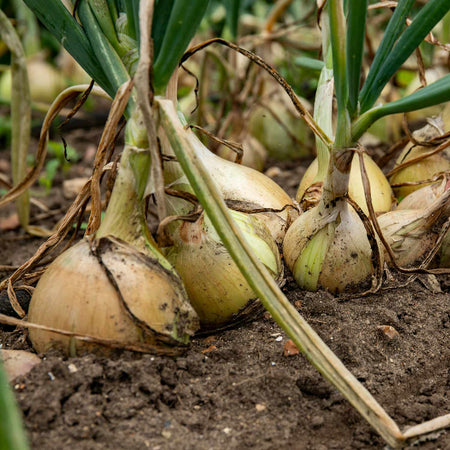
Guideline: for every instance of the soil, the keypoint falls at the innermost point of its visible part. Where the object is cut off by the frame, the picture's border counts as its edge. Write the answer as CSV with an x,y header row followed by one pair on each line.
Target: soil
x,y
238,389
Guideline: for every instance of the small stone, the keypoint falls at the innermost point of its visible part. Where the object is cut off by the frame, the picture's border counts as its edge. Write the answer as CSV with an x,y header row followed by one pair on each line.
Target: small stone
x,y
273,172
72,368
317,421
227,430
388,331
279,338
166,433
260,407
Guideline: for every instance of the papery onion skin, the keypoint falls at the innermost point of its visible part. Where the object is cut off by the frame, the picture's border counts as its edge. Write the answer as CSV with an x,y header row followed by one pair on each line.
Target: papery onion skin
x,y
243,189
411,233
382,196
331,252
422,170
112,292
215,286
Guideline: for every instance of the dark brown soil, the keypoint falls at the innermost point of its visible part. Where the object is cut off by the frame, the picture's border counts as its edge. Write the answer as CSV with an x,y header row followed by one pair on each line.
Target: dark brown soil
x,y
236,389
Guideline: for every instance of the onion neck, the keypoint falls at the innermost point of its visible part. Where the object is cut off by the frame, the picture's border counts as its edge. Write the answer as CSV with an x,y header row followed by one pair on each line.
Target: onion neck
x,y
125,216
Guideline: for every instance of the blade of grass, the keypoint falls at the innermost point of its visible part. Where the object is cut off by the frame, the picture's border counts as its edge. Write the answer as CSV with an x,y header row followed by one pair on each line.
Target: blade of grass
x,y
433,94
20,114
410,39
356,27
12,433
181,27
58,20
183,143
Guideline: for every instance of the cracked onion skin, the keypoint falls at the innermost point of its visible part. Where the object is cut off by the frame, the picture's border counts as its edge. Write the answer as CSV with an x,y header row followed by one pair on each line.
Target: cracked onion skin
x,y
109,290
216,288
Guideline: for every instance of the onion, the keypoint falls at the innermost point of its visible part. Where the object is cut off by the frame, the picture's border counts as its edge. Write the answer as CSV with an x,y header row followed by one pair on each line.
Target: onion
x,y
327,247
46,82
424,169
243,188
109,290
216,288
382,197
117,286
411,233
282,141
254,153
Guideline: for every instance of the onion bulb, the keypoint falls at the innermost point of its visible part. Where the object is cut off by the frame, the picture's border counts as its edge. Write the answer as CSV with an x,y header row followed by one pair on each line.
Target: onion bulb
x,y
281,140
242,188
422,170
411,233
327,247
216,288
382,197
107,289
46,82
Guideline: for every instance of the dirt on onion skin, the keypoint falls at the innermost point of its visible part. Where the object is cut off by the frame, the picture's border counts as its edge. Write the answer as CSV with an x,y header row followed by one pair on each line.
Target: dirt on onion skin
x,y
236,389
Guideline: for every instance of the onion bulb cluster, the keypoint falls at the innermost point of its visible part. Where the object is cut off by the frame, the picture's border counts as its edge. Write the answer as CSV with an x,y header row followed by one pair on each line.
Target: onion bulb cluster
x,y
216,288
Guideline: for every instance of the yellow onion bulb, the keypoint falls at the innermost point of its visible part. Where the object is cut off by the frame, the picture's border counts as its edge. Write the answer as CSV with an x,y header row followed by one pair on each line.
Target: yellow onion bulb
x,y
381,192
242,188
411,233
46,82
424,196
107,289
422,170
329,248
285,140
216,288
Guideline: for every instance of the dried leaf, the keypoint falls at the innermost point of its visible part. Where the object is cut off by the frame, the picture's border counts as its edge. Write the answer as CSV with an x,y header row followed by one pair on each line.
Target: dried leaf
x,y
290,349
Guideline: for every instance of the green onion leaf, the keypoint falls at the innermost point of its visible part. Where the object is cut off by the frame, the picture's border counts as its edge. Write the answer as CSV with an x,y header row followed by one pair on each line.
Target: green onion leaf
x,y
391,58
433,94
355,46
181,27
58,20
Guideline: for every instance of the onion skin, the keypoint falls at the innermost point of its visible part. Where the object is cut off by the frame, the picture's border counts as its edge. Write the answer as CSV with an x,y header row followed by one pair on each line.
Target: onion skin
x,y
216,288
107,289
411,233
422,170
328,248
382,196
243,189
